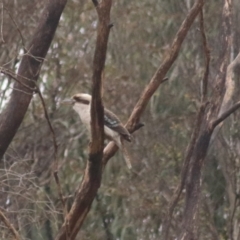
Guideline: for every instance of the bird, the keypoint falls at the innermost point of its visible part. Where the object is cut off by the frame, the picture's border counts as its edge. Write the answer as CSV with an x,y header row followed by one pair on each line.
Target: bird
x,y
113,128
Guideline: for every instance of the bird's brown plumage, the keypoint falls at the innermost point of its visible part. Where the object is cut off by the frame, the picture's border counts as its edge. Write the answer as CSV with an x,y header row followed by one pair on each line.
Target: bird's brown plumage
x,y
113,122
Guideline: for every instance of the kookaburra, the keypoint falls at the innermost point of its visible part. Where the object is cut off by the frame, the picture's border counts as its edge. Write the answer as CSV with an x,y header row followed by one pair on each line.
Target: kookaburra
x,y
113,128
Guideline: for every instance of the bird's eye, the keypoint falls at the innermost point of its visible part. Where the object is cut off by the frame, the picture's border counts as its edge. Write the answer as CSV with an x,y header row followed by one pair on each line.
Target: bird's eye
x,y
77,99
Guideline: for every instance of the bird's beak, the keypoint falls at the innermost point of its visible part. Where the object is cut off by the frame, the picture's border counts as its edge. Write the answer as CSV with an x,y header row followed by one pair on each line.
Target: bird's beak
x,y
68,101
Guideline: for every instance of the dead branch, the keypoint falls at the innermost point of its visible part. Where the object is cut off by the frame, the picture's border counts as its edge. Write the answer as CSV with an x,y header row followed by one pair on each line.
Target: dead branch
x,y
226,43
224,115
15,77
19,31
195,134
13,114
176,196
164,67
93,172
9,225
193,183
207,58
229,92
158,77
232,70
55,164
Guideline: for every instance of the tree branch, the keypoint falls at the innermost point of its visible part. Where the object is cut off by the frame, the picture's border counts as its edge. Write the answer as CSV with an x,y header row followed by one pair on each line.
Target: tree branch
x,y
16,77
196,131
13,114
189,228
19,31
185,168
207,58
9,225
55,164
158,77
93,172
229,92
224,115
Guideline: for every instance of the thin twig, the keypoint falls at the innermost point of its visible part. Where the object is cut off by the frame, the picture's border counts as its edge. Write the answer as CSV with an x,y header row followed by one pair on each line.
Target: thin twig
x,y
193,188
55,166
158,77
93,171
196,131
207,58
167,62
2,26
102,212
18,29
189,152
14,76
224,115
9,225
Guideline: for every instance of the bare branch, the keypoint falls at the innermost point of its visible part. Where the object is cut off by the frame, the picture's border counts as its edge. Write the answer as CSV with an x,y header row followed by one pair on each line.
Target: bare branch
x,y
189,228
15,77
19,31
9,225
207,58
55,164
226,43
196,131
1,27
185,168
224,115
93,172
229,92
158,77
29,68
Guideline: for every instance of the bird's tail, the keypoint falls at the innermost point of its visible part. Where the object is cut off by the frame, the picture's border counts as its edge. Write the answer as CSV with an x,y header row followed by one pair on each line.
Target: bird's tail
x,y
126,155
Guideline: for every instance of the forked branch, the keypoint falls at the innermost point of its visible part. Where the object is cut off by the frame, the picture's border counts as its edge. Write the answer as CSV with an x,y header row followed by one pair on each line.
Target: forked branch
x,y
224,115
11,228
189,229
200,117
93,172
158,77
30,66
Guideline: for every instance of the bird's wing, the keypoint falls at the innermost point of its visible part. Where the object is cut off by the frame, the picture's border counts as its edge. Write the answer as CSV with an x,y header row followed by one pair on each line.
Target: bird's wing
x,y
113,122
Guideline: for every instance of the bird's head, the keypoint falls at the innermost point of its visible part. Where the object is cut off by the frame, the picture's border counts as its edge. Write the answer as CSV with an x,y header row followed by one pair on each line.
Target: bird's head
x,y
78,99
81,98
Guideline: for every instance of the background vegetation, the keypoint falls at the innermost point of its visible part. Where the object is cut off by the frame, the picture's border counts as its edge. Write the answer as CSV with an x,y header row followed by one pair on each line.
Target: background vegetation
x,y
128,206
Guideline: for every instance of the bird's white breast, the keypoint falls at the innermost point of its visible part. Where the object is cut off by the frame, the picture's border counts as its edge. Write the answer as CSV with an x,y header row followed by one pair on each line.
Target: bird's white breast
x,y
83,111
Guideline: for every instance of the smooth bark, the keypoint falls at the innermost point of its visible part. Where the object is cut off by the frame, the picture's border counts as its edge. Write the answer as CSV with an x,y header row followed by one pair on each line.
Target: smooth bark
x,y
28,73
93,172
